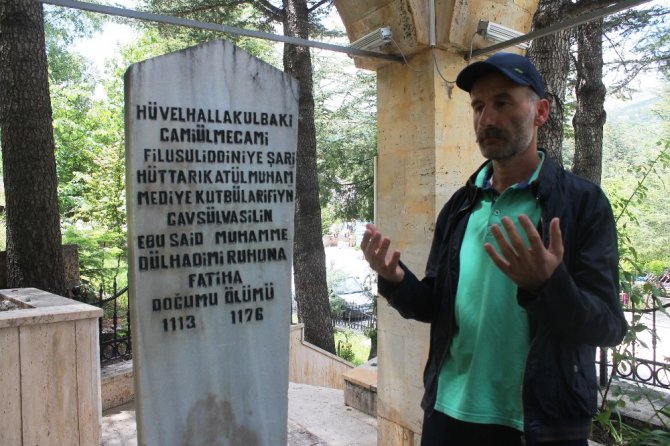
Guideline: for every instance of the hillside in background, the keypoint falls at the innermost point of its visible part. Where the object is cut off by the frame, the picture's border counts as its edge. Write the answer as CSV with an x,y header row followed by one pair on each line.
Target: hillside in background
x,y
635,112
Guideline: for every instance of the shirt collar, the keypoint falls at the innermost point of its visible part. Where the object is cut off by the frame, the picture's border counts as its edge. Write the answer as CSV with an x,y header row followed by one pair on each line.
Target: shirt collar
x,y
483,180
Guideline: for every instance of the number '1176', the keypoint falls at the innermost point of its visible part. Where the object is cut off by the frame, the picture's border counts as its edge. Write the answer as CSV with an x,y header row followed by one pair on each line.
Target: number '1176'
x,y
247,315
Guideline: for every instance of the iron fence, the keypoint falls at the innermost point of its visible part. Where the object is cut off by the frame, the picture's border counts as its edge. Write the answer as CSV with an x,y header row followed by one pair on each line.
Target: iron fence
x,y
356,317
361,318
643,357
114,325
642,361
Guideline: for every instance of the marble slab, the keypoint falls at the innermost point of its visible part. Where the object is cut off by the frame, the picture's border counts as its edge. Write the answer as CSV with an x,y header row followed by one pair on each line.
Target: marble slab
x,y
211,137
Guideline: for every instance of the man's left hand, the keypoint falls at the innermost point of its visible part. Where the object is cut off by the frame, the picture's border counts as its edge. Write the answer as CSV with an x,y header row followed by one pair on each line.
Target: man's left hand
x,y
530,267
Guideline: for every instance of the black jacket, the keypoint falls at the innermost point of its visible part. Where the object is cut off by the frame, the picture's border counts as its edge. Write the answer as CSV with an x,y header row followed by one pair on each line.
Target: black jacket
x,y
577,309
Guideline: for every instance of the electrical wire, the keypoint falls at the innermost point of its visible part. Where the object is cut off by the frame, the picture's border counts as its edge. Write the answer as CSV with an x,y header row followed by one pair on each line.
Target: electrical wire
x,y
449,84
472,40
404,58
437,68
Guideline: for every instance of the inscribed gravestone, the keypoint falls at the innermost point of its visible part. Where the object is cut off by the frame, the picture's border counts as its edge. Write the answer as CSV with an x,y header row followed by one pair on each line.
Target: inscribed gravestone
x,y
210,169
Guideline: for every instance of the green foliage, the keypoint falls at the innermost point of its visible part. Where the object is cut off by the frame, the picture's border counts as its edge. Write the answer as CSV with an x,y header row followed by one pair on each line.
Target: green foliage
x,y
635,172
63,25
91,170
90,140
347,141
88,133
630,201
101,258
627,202
232,13
345,350
654,437
327,220
640,43
352,346
337,305
656,267
88,128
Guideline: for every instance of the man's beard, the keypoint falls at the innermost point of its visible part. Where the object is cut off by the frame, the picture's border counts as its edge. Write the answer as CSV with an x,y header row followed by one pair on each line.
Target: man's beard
x,y
508,145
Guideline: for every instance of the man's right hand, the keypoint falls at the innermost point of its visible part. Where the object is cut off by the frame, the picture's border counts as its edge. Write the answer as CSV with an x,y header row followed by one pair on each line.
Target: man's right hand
x,y
375,248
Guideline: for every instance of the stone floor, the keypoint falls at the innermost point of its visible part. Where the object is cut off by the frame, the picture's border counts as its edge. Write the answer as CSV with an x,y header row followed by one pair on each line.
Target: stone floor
x,y
317,416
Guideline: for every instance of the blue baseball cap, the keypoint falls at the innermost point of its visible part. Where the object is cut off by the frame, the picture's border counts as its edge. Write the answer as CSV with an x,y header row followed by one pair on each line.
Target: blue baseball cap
x,y
518,69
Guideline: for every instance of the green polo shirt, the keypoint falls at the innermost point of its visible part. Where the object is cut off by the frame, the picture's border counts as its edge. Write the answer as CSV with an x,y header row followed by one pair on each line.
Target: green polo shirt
x,y
481,378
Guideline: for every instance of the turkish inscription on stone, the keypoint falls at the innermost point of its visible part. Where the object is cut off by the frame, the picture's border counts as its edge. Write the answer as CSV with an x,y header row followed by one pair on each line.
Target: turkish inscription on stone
x,y
210,169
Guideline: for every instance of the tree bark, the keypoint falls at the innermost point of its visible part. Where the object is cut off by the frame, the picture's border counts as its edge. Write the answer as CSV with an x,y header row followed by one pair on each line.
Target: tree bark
x,y
309,258
551,56
34,254
590,115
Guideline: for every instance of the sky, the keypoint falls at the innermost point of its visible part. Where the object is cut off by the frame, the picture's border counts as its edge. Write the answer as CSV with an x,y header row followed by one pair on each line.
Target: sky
x,y
105,44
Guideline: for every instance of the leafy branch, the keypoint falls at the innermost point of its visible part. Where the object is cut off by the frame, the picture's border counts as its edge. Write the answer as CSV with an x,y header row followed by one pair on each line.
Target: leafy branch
x,y
642,299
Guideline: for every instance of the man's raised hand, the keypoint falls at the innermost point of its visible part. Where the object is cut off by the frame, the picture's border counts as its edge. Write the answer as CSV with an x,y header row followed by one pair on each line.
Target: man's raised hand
x,y
375,248
529,267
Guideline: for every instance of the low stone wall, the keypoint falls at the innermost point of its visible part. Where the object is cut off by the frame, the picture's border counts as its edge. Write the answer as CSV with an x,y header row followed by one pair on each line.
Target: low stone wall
x,y
117,384
360,388
308,364
49,370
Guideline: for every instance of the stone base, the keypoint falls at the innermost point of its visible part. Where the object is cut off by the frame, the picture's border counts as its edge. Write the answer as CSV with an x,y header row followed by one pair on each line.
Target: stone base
x,y
49,370
393,434
117,384
360,388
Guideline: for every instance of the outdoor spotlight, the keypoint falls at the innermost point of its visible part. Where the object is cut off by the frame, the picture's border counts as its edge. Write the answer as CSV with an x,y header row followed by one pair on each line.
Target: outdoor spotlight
x,y
373,40
498,33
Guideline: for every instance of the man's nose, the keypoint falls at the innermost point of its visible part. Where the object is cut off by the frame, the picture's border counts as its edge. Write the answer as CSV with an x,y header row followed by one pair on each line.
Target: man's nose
x,y
487,117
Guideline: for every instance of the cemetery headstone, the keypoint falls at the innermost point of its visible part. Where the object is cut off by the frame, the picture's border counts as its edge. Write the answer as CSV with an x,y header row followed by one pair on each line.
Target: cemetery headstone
x,y
211,135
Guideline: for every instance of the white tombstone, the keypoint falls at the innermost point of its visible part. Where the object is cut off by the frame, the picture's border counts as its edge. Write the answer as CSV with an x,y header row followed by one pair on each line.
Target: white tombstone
x,y
211,134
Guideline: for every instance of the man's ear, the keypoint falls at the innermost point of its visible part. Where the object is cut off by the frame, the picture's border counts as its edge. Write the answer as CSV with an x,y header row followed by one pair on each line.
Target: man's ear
x,y
542,112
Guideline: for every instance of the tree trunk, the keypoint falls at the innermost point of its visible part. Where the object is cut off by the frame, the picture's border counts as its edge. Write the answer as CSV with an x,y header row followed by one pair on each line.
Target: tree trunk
x,y
34,254
309,258
590,114
551,56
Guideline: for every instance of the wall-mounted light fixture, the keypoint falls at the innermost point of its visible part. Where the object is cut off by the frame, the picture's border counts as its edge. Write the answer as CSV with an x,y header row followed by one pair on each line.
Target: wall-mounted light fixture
x,y
373,40
498,33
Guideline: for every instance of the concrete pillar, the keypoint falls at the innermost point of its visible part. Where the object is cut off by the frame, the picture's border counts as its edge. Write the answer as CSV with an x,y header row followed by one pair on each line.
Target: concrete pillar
x,y
426,151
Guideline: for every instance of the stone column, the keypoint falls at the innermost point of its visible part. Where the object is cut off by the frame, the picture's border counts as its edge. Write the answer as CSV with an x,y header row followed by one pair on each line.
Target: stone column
x,y
426,151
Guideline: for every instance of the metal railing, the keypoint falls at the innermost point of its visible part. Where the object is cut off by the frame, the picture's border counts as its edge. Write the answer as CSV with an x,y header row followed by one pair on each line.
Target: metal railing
x,y
356,317
114,325
642,358
643,361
